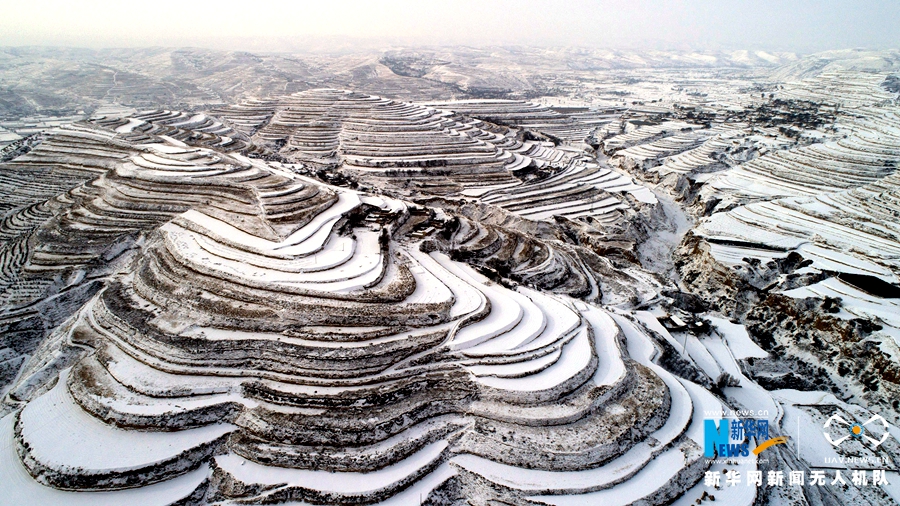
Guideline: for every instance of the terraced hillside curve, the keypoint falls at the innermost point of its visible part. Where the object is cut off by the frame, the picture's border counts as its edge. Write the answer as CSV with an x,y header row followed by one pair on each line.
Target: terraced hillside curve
x,y
266,345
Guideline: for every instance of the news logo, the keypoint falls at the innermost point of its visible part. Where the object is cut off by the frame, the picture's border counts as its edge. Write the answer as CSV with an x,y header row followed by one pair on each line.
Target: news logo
x,y
730,437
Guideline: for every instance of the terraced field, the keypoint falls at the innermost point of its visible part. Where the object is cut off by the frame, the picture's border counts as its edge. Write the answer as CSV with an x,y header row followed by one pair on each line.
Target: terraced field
x,y
792,218
331,297
438,151
309,348
834,202
193,129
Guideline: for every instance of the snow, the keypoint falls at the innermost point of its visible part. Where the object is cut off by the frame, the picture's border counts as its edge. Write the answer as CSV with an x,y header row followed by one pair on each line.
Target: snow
x,y
739,342
173,142
740,494
811,443
574,208
893,486
532,324
197,118
767,56
334,482
19,488
467,298
650,320
620,468
656,250
677,321
479,191
166,148
345,203
705,402
854,302
611,367
748,394
684,343
321,252
528,341
386,204
807,437
429,289
421,488
62,434
140,377
561,321
730,255
126,402
642,350
7,137
578,176
653,476
304,241
576,356
361,268
128,127
165,163
506,313
514,369
830,260
643,195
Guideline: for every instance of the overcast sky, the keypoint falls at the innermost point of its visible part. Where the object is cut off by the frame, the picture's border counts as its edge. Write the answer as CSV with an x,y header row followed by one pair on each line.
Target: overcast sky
x,y
260,25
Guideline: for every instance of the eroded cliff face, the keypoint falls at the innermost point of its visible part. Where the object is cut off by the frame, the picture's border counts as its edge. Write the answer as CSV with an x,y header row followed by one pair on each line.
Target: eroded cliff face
x,y
811,348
